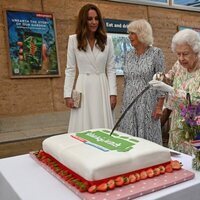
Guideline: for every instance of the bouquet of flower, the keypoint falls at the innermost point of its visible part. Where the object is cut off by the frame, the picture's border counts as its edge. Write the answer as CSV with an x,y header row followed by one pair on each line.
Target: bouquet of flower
x,y
191,122
190,129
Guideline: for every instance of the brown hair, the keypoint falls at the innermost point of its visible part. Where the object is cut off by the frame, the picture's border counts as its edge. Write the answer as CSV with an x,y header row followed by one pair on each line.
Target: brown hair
x,y
81,28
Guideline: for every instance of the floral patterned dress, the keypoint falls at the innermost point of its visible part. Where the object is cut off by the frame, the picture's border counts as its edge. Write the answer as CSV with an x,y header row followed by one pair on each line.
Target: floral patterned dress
x,y
183,82
138,71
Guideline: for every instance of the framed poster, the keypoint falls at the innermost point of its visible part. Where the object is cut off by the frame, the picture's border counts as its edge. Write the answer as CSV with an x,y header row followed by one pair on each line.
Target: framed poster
x,y
32,45
117,29
121,45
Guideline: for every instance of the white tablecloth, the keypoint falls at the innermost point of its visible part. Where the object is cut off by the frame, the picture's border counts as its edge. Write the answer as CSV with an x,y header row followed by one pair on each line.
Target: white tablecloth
x,y
22,178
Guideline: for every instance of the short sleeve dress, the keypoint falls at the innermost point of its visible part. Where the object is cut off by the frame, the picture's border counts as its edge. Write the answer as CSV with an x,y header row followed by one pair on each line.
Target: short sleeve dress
x,y
138,71
183,82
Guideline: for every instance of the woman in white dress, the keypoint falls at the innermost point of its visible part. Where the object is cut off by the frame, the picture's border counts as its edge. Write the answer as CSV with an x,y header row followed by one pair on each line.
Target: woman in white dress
x,y
91,54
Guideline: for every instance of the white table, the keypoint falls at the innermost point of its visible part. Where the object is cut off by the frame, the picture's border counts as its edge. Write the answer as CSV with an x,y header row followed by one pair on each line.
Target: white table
x,y
21,178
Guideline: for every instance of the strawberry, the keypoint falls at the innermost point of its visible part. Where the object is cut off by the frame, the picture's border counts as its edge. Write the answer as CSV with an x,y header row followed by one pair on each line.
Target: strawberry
x,y
137,175
168,168
102,187
162,169
82,187
126,181
46,161
92,189
63,173
85,183
150,172
42,158
51,166
41,154
156,171
119,181
57,169
67,177
75,182
143,175
111,184
132,178
71,181
176,164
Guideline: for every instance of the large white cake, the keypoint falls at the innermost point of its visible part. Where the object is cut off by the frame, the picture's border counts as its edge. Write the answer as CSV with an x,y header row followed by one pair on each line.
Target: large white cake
x,y
95,155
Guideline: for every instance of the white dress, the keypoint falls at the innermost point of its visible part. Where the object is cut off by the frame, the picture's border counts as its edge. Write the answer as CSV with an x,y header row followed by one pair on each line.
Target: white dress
x,y
96,81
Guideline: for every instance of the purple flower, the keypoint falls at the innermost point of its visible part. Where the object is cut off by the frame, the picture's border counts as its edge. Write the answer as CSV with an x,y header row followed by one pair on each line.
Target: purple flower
x,y
191,119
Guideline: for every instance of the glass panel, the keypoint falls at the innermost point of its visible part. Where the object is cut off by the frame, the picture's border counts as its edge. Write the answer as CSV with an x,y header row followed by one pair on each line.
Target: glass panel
x,y
193,3
162,1
153,1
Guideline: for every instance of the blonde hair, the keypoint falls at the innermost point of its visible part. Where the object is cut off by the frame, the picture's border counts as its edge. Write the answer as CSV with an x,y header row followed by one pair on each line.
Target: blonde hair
x,y
187,36
143,30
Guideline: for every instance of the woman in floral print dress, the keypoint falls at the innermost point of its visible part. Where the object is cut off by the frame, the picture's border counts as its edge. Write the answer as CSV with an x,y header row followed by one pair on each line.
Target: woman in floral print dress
x,y
141,64
185,75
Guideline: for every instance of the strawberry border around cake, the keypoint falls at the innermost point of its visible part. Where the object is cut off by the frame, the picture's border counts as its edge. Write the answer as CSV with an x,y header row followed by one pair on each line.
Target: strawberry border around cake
x,y
133,189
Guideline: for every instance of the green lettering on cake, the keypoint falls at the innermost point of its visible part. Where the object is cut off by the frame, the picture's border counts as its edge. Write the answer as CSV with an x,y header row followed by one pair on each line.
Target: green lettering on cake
x,y
103,139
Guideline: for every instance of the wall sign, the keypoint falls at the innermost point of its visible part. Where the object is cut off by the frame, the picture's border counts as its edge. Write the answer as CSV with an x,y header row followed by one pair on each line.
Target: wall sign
x,y
116,26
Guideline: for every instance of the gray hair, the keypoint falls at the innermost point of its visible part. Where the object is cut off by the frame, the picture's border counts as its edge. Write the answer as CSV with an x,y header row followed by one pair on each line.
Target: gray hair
x,y
189,37
143,30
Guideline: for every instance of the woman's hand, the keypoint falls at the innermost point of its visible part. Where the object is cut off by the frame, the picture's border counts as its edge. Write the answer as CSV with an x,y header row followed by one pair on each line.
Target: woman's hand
x,y
159,76
113,101
69,102
156,114
159,85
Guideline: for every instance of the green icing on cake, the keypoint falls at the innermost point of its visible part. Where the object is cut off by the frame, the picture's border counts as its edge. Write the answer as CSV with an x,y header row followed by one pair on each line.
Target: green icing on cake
x,y
103,139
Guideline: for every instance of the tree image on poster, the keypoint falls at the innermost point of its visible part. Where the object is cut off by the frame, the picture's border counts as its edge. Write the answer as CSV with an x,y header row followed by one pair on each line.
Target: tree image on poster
x,y
32,44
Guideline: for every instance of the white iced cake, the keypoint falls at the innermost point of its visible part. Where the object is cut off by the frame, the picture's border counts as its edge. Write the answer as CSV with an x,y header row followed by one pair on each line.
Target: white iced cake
x,y
95,155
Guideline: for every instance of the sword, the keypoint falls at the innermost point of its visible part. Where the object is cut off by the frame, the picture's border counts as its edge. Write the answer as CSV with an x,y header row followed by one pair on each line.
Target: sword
x,y
125,111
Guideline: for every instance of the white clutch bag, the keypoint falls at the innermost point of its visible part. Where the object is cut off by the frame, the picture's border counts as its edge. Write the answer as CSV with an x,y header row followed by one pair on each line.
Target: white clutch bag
x,y
76,96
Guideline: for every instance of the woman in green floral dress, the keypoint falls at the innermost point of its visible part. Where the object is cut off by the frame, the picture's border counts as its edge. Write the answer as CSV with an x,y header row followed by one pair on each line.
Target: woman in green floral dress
x,y
185,77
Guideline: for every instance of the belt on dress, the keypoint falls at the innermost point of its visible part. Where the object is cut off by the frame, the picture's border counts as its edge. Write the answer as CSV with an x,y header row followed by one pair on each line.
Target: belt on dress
x,y
91,73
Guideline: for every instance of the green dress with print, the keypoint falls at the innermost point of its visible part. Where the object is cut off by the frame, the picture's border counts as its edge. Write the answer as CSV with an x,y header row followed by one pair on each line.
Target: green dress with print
x,y
183,82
